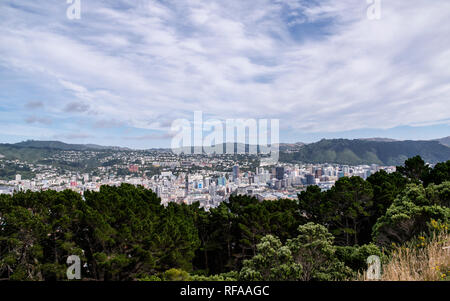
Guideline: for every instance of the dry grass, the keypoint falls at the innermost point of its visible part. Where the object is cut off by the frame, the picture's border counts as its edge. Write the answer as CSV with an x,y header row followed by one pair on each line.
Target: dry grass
x,y
422,260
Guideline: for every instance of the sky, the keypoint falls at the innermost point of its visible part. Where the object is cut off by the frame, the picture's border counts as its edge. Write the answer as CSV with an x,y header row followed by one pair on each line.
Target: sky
x,y
126,70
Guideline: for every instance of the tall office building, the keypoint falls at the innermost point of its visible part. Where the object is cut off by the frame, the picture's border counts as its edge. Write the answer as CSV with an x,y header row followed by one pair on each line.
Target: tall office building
x,y
318,173
310,179
278,184
280,173
235,172
221,181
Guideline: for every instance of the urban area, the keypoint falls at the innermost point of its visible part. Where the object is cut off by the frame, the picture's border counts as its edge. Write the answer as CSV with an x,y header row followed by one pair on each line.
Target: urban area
x,y
208,180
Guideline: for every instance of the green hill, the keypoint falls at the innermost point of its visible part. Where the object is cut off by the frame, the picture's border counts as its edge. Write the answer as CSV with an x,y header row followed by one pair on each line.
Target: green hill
x,y
354,152
340,151
14,152
445,141
65,146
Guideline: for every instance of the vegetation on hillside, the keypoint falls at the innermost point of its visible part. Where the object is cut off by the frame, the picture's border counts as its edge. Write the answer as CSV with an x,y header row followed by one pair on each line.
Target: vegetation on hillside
x,y
356,152
339,151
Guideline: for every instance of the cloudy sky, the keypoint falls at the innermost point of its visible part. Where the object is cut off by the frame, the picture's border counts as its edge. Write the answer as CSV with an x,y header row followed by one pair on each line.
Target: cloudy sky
x,y
123,72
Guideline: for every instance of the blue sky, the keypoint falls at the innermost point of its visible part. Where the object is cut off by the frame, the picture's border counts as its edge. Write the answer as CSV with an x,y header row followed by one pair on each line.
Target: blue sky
x,y
126,70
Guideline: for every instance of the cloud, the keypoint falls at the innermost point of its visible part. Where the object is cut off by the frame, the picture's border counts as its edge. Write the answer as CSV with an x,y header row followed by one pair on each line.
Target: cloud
x,y
72,136
38,120
34,105
107,124
317,66
76,107
153,136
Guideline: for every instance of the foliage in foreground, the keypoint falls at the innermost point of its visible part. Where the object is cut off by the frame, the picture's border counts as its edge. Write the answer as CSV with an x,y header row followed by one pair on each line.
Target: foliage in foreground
x,y
124,233
309,256
422,259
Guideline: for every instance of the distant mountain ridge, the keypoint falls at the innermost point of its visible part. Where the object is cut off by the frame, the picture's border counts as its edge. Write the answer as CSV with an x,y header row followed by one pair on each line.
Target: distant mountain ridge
x,y
381,151
445,141
225,147
33,151
363,151
377,139
66,146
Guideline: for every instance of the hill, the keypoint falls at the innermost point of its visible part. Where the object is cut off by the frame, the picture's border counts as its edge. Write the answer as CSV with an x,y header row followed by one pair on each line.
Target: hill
x,y
34,151
291,147
445,141
65,146
14,152
379,139
355,152
340,151
283,147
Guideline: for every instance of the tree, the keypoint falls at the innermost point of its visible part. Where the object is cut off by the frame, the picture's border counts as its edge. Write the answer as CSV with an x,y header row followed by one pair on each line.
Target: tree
x,y
177,237
309,256
439,194
439,174
351,199
272,262
204,226
38,231
355,257
386,187
314,205
120,233
252,220
313,249
411,214
21,254
222,239
121,240
414,169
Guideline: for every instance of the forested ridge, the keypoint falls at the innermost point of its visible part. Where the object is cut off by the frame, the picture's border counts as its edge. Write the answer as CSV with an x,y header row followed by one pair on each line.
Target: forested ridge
x,y
357,152
124,233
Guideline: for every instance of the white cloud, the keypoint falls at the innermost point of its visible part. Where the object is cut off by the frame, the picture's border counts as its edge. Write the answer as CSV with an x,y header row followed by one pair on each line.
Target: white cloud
x,y
241,59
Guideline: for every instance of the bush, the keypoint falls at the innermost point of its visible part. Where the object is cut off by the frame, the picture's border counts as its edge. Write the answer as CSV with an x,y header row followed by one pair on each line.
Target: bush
x,y
176,275
356,257
411,214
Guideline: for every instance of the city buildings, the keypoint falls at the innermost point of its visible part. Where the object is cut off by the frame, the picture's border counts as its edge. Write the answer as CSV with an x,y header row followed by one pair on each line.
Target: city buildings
x,y
208,180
